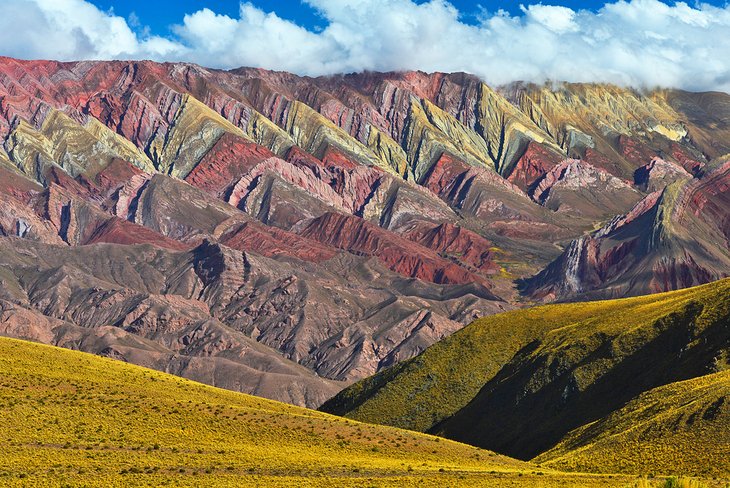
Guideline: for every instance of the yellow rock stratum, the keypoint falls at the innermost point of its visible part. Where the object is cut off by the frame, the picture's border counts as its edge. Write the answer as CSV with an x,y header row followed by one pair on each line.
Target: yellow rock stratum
x,y
74,147
193,131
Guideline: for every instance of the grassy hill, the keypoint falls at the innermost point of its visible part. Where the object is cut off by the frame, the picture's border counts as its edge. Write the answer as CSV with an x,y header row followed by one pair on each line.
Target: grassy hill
x,y
657,432
73,419
519,382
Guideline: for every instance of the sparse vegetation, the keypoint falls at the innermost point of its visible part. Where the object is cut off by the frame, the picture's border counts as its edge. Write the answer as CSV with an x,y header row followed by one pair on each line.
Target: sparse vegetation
x,y
575,363
73,419
671,482
683,427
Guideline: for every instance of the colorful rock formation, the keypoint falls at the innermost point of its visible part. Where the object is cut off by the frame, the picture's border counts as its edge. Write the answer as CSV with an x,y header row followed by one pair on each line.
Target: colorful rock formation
x,y
208,222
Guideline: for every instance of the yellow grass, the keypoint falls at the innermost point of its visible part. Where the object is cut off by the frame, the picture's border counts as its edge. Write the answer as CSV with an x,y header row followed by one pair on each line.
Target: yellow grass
x,y
671,429
73,419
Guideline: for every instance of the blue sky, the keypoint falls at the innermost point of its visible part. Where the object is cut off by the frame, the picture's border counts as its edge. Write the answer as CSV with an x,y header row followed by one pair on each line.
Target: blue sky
x,y
159,15
639,43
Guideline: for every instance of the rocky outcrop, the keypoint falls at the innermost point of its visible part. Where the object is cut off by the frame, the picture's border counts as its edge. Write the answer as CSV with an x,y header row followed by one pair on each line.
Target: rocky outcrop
x,y
658,174
494,205
118,231
475,191
456,243
400,255
612,128
252,236
574,186
533,165
230,158
18,220
15,184
674,238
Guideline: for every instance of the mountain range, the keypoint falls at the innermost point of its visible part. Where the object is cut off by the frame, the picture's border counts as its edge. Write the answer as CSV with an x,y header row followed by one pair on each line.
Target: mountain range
x,y
287,236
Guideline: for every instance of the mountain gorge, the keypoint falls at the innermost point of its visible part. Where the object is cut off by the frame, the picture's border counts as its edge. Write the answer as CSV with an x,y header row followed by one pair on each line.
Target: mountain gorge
x,y
286,236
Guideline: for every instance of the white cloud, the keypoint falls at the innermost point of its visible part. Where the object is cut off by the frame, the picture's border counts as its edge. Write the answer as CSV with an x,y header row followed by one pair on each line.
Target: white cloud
x,y
557,19
71,29
636,42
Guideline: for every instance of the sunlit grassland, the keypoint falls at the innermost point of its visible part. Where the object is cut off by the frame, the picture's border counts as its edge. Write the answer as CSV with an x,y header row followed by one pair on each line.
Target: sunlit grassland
x,y
669,429
70,418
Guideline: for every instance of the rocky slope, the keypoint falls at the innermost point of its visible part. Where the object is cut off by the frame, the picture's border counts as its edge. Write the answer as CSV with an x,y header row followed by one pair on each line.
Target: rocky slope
x,y
334,226
576,186
676,237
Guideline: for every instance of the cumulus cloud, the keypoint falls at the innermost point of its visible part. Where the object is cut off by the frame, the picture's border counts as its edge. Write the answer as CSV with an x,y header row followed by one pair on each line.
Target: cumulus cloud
x,y
71,29
555,18
636,42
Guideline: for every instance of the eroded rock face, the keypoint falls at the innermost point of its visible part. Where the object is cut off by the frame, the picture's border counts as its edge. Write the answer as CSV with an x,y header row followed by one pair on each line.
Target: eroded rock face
x,y
263,227
674,238
534,164
376,110
658,174
118,231
456,243
212,301
576,187
397,253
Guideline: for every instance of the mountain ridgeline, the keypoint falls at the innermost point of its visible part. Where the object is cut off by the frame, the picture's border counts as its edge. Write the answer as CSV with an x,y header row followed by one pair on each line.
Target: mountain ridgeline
x,y
287,236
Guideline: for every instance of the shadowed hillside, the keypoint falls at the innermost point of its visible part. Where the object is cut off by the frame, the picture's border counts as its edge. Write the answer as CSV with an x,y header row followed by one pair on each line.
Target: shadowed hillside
x,y
680,427
519,382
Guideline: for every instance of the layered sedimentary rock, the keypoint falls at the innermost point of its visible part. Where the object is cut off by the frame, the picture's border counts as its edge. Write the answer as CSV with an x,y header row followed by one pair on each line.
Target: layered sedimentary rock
x,y
616,129
335,225
577,187
399,254
674,238
658,174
